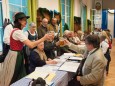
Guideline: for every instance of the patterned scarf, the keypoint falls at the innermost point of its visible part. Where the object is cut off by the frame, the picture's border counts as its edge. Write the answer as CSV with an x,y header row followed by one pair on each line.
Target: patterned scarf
x,y
41,54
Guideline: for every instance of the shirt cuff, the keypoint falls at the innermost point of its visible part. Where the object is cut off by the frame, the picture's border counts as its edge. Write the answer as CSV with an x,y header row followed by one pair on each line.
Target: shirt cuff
x,y
69,44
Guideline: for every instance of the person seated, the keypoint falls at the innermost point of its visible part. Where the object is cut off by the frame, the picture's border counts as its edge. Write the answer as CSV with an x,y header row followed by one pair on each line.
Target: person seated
x,y
80,34
73,48
50,46
76,38
91,69
38,58
69,35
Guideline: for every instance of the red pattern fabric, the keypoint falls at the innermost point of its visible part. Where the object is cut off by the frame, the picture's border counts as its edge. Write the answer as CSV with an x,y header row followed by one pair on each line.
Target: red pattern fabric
x,y
15,44
110,45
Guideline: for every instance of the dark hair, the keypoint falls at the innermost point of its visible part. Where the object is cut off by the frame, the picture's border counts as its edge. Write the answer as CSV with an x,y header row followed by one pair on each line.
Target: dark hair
x,y
94,40
17,24
39,82
102,37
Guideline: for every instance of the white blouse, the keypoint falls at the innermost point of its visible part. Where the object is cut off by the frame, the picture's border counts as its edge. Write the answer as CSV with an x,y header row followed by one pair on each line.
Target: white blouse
x,y
7,31
19,35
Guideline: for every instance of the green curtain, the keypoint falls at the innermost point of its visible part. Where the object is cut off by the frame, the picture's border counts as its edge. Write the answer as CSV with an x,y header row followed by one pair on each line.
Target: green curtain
x,y
60,10
83,17
32,10
72,16
86,19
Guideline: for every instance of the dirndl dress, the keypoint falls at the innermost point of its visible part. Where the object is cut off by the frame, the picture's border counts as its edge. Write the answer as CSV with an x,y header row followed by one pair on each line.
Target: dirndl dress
x,y
13,66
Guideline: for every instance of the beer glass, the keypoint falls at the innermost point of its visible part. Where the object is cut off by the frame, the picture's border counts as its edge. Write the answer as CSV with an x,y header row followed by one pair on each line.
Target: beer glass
x,y
61,41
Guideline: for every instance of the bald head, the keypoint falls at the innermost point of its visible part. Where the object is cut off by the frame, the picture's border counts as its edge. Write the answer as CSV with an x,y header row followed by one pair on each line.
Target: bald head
x,y
44,22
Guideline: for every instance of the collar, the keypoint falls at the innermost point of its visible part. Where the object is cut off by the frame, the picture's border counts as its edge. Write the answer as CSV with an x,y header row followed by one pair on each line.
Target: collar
x,y
92,51
43,26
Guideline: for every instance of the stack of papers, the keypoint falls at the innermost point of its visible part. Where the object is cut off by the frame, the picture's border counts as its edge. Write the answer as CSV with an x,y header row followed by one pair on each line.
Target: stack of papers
x,y
68,54
64,57
70,66
47,68
36,74
75,58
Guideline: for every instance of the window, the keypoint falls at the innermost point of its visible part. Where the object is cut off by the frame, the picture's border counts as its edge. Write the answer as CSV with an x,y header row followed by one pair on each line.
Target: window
x,y
65,4
1,30
84,17
18,6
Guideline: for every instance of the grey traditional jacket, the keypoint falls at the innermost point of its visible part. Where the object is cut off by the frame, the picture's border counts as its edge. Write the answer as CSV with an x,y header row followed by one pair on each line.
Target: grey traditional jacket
x,y
93,69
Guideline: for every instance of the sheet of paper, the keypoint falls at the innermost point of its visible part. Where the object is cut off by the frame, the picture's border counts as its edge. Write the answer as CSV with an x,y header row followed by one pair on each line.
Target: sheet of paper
x,y
70,66
68,54
36,74
75,58
64,57
50,77
59,62
47,68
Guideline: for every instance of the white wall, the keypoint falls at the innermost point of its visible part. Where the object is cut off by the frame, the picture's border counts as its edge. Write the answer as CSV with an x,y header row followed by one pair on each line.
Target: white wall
x,y
49,4
77,8
111,23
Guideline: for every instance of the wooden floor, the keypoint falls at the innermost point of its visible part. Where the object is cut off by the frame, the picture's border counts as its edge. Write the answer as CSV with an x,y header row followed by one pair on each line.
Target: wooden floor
x,y
110,79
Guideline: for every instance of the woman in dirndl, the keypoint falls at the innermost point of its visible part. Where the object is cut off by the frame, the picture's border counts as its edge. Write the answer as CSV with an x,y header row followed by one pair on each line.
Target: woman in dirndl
x,y
13,65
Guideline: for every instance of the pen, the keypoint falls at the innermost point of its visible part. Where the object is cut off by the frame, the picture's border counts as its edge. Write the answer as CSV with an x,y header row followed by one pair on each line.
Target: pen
x,y
46,76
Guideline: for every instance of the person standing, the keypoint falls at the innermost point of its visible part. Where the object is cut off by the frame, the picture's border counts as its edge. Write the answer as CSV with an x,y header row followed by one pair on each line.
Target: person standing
x,y
13,66
53,26
42,30
6,38
32,35
105,48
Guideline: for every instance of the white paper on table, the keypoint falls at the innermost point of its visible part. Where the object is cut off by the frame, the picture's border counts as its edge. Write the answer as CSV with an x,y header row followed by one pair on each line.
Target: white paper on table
x,y
75,58
65,57
47,69
36,74
70,66
59,62
69,54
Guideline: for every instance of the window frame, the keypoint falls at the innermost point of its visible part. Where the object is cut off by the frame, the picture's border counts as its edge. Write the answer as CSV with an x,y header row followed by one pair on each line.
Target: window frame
x,y
21,6
1,30
66,16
